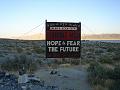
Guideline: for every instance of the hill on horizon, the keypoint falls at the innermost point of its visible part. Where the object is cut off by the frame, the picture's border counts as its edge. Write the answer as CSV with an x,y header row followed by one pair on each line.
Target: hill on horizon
x,y
40,36
101,37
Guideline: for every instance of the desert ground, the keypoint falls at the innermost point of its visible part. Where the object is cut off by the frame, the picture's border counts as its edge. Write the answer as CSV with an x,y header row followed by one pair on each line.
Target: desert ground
x,y
95,70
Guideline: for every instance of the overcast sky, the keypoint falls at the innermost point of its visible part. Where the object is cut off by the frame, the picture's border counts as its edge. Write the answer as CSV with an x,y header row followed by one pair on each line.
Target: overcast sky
x,y
97,16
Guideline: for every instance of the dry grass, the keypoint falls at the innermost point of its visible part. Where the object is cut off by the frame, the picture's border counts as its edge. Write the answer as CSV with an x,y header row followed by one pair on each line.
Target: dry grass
x,y
99,87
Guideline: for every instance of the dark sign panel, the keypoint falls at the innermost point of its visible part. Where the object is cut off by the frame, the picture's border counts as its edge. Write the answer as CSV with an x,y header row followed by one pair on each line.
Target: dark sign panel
x,y
63,40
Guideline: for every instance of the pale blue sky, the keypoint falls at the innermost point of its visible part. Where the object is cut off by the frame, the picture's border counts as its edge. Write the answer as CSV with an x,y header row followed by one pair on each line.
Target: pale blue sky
x,y
19,16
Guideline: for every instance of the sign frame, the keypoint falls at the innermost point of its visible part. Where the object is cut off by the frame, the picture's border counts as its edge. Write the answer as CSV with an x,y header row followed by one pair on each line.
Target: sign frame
x,y
68,29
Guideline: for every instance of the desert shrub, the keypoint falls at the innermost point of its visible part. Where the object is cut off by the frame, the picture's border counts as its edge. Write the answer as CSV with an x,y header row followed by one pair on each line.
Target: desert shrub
x,y
105,77
1,55
32,67
38,50
99,87
75,62
110,49
108,83
92,67
116,77
18,63
58,62
19,50
6,66
115,73
115,85
97,74
106,59
116,57
28,53
99,51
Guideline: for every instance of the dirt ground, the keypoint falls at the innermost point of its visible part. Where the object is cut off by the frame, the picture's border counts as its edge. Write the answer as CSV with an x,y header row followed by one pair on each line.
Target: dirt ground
x,y
67,78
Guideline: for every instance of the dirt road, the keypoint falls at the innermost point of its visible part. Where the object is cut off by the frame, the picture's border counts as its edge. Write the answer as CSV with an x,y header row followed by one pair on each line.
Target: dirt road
x,y
67,78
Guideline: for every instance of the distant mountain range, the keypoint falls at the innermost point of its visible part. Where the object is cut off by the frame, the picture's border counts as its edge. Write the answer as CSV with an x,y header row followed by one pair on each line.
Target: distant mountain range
x,y
102,37
40,36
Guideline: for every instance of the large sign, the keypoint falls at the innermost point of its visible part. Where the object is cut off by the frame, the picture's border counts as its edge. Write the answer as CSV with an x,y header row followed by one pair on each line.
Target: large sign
x,y
63,40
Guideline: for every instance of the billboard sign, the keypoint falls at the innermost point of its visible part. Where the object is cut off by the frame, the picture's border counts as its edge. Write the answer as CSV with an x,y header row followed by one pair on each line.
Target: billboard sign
x,y
63,40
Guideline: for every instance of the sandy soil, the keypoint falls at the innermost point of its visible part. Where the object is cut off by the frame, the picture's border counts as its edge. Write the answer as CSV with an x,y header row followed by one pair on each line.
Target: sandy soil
x,y
67,78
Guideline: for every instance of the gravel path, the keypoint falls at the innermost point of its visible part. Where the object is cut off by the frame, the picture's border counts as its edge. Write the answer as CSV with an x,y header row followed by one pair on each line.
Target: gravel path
x,y
67,78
